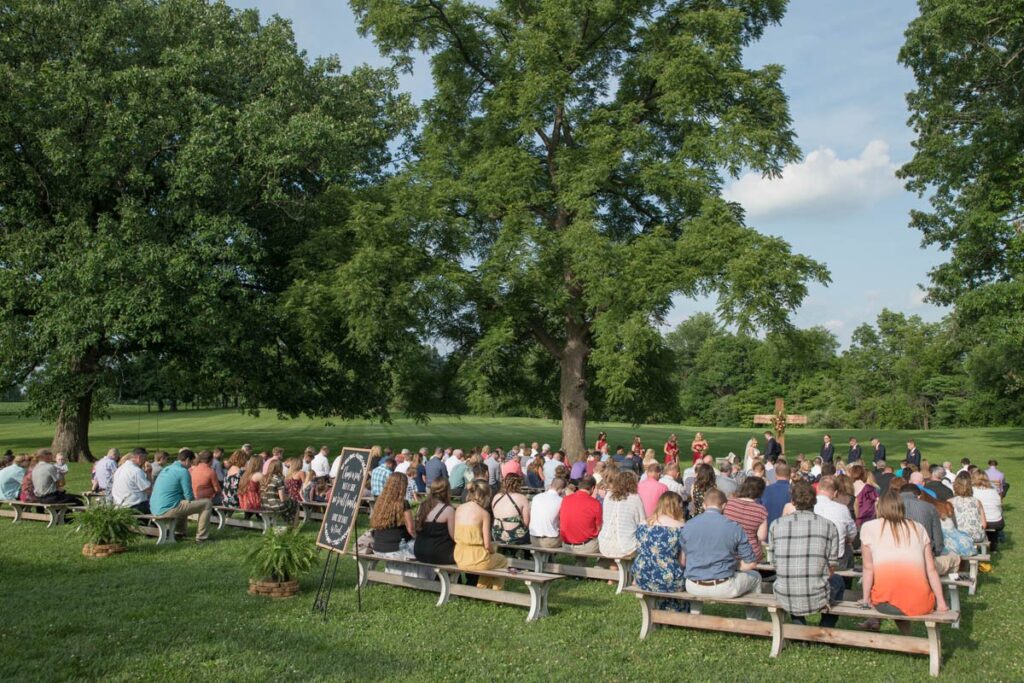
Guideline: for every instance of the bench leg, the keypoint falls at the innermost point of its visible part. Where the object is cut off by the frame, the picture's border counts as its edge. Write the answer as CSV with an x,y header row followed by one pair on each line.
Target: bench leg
x,y
646,615
446,586
17,513
778,636
221,518
166,530
56,516
973,564
954,603
624,566
934,648
538,600
363,569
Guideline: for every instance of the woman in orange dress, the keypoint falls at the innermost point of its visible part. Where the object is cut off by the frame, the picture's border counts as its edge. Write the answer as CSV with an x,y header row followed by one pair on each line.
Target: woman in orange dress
x,y
899,569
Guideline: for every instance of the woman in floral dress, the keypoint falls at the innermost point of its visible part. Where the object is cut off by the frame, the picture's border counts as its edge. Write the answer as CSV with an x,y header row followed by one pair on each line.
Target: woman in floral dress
x,y
657,566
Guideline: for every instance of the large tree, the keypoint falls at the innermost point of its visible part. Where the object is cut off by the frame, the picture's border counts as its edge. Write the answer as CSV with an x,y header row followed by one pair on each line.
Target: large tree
x,y
570,167
174,177
968,114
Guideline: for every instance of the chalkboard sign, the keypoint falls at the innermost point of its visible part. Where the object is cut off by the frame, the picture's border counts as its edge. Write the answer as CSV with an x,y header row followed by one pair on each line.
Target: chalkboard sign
x,y
343,505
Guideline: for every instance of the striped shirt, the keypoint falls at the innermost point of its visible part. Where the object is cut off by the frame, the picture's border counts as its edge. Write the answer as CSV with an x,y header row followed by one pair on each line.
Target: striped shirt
x,y
749,514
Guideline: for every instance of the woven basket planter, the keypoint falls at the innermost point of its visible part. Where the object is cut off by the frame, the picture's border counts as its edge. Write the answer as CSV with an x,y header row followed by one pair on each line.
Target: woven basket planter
x,y
91,550
273,589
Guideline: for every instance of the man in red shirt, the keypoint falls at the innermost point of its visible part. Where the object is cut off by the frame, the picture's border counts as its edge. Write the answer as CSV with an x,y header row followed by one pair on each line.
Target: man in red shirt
x,y
580,519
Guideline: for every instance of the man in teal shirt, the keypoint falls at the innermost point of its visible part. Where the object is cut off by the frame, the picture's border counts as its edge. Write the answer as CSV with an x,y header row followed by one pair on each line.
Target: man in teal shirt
x,y
172,496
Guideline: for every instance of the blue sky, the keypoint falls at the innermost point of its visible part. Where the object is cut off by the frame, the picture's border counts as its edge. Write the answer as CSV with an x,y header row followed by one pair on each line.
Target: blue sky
x,y
841,204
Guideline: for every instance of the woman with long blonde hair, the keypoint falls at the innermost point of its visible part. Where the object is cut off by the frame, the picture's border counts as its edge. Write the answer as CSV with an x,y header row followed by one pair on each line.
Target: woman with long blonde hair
x,y
249,485
658,565
474,548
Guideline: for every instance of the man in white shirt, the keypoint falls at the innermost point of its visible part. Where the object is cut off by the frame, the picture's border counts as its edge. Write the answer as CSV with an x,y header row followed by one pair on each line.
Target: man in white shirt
x,y
551,464
403,461
104,471
336,467
839,515
544,509
671,478
131,487
320,465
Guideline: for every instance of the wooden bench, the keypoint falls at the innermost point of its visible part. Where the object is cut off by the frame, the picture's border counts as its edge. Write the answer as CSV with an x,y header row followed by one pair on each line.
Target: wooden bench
x,y
165,527
53,513
781,631
447,583
543,562
93,497
312,511
266,518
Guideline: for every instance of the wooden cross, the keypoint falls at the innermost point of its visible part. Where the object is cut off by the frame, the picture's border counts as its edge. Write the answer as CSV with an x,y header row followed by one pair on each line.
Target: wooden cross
x,y
779,420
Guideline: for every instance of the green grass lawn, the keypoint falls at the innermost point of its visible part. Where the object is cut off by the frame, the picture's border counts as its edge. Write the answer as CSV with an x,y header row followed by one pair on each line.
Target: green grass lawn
x,y
181,612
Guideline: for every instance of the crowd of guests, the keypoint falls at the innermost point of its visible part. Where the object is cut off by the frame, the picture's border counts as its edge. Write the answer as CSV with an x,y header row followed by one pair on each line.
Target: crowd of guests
x,y
713,531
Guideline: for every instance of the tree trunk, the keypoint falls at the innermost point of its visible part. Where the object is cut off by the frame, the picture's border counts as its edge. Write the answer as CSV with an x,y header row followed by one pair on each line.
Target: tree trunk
x,y
72,434
573,392
174,405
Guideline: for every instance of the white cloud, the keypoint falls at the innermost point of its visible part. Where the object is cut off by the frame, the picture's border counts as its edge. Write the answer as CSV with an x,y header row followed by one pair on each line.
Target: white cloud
x,y
917,296
834,326
819,183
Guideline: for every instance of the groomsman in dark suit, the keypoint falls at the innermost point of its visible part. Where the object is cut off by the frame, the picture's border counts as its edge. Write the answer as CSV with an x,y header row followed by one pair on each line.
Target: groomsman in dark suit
x,y
913,454
828,451
772,449
854,455
879,450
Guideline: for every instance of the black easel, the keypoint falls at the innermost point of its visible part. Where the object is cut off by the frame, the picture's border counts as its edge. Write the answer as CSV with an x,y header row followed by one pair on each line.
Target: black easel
x,y
323,592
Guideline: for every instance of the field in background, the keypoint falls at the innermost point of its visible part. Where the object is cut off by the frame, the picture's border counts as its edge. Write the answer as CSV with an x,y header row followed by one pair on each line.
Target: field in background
x,y
181,612
129,426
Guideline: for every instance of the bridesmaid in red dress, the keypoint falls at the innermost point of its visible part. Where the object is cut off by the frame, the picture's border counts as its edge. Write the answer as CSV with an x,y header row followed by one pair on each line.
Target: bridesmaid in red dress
x,y
671,450
699,446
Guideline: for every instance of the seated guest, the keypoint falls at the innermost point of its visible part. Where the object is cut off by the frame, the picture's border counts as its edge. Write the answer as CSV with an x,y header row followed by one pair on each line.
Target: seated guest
x,y
579,521
11,478
474,549
47,481
828,507
865,494
746,511
776,496
159,462
130,486
713,546
249,484
992,504
103,471
703,481
392,526
511,512
535,474
273,494
457,473
724,481
970,515
579,469
659,555
650,488
379,476
511,466
435,467
276,455
204,479
172,496
937,483
544,509
806,549
671,479
899,569
955,541
623,512
295,478
996,477
435,526
232,478
27,493
925,515
316,489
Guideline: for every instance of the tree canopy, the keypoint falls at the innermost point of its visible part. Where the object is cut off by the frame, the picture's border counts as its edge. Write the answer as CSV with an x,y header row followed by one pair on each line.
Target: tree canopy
x,y
569,170
177,180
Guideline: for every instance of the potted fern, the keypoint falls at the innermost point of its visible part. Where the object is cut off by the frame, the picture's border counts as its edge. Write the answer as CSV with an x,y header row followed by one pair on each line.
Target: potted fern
x,y
276,561
108,529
